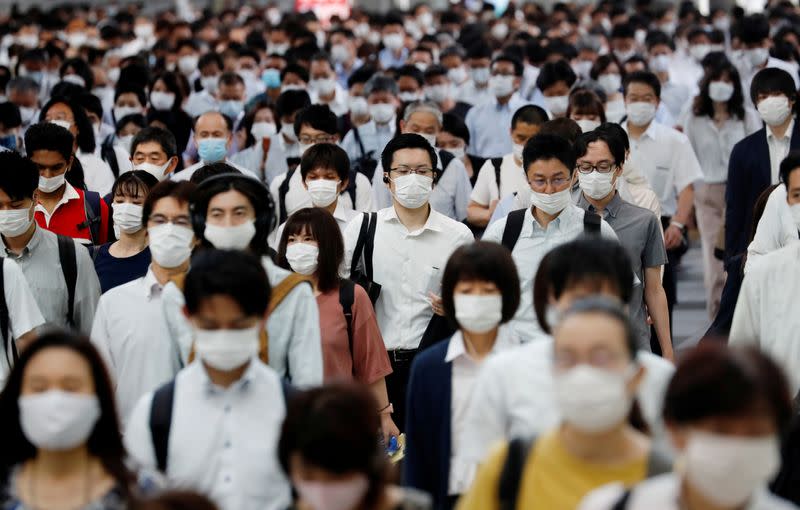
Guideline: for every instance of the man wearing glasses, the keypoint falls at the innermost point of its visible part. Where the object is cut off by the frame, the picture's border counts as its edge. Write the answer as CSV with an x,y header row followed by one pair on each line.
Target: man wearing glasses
x,y
551,220
412,243
601,154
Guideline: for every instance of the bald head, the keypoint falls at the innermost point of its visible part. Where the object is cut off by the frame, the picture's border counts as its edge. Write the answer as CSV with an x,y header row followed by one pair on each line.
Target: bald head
x,y
212,125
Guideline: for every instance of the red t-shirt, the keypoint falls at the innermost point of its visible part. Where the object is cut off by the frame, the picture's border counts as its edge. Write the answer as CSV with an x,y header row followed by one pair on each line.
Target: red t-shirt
x,y
69,217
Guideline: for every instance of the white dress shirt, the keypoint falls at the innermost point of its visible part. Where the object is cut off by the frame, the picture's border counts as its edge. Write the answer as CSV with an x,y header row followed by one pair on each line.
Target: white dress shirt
x,y
298,198
713,145
778,149
23,312
341,214
339,104
766,312
776,228
130,332
96,173
223,441
533,244
408,266
666,158
187,173
513,396
512,180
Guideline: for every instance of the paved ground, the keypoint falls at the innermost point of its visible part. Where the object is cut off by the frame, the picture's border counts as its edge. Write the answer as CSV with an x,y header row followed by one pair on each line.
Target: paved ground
x,y
690,320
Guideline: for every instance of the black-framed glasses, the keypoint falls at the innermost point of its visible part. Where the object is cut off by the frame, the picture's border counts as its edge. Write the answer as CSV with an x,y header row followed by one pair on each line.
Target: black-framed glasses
x,y
602,166
404,170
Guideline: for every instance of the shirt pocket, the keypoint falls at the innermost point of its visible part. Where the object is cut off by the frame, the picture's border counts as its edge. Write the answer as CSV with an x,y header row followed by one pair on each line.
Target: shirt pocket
x,y
660,179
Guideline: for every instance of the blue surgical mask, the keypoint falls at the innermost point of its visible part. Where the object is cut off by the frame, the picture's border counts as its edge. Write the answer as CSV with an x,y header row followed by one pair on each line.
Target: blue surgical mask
x,y
9,142
212,150
271,78
231,108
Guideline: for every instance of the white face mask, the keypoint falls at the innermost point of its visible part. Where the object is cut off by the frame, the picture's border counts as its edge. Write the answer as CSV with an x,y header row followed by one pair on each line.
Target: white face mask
x,y
458,152
62,123
382,113
393,41
15,222
340,53
210,84
660,64
720,91
162,100
227,349
287,130
774,110
478,314
323,192
757,56
303,147
26,114
624,56
501,86
430,138
596,185
261,130
323,87
237,237
587,125
128,217
58,420
125,142
154,170
517,150
557,105
303,258
412,191
591,399
358,106
610,83
727,469
187,64
342,495
123,111
551,204
51,184
457,75
640,113
409,97
480,75
699,51
170,245
795,209
438,93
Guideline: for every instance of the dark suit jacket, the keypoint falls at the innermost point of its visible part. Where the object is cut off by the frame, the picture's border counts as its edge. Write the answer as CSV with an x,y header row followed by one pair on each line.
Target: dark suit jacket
x,y
426,465
749,174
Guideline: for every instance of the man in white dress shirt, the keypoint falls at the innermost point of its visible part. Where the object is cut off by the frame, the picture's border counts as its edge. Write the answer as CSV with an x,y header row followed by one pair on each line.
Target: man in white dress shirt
x,y
226,408
411,246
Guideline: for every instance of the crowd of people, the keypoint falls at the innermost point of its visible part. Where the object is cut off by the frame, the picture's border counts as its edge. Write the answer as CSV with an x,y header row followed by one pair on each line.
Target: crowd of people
x,y
255,259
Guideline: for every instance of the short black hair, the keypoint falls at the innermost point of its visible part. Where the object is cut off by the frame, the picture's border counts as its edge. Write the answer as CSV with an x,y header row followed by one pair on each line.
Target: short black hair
x,y
290,102
320,225
131,184
130,88
773,80
179,190
9,115
753,29
19,177
561,127
319,117
361,75
229,79
46,136
484,261
658,38
789,164
410,71
434,71
645,77
156,134
543,147
300,71
86,141
507,57
529,114
91,104
615,145
408,141
610,308
325,155
211,170
623,31
208,59
233,273
554,72
453,124
703,106
616,130
81,68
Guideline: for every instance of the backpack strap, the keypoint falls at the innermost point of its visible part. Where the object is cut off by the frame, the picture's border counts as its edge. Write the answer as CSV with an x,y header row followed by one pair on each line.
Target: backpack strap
x,y
513,228
369,245
511,475
280,291
357,136
91,206
110,156
69,267
496,163
351,187
622,502
161,422
447,158
359,248
4,319
591,223
283,189
346,299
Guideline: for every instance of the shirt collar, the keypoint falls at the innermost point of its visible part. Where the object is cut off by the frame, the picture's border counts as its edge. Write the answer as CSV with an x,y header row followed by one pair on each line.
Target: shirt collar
x,y
432,223
456,348
339,213
564,218
612,207
32,244
241,385
151,286
786,136
70,193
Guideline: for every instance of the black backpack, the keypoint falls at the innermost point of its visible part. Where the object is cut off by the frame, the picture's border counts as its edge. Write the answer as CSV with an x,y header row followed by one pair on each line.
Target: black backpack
x,y
591,226
108,155
362,253
366,162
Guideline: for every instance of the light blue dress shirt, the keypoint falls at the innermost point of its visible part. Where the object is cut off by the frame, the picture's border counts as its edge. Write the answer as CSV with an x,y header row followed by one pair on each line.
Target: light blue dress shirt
x,y
489,126
373,136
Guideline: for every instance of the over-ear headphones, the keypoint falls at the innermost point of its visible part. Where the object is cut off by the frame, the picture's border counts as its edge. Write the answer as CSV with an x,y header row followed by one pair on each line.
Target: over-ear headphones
x,y
256,192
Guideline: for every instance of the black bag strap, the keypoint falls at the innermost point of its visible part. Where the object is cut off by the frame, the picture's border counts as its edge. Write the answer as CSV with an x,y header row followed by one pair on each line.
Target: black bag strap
x,y
110,156
346,298
283,189
359,249
4,319
351,187
69,267
91,206
369,245
511,474
513,228
496,163
622,502
161,422
591,223
447,158
357,136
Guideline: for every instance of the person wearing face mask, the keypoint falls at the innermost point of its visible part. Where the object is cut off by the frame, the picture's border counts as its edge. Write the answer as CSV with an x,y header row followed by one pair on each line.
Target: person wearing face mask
x,y
328,450
754,35
499,178
608,74
352,346
61,207
287,106
440,89
112,154
10,124
213,137
601,156
475,90
128,257
410,82
394,52
127,128
24,92
483,120
454,138
623,42
313,125
153,150
66,448
128,100
210,66
324,87
729,439
549,219
411,245
167,95
259,140
230,96
717,122
453,60
451,194
480,293
188,53
668,161
227,296
129,317
343,54
660,50
586,109
553,84
602,437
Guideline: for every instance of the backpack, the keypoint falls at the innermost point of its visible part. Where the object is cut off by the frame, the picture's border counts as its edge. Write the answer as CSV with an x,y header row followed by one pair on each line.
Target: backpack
x,y
447,158
160,422
519,450
365,163
91,207
365,245
108,155
513,228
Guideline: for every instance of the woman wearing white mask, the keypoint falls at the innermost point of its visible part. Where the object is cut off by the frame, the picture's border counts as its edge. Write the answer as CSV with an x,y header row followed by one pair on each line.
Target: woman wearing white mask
x,y
261,149
129,257
586,109
718,121
725,409
127,127
352,345
64,446
480,292
595,376
608,74
328,450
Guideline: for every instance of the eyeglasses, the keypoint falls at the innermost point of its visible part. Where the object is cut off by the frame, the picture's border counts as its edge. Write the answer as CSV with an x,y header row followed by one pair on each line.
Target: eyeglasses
x,y
305,139
404,170
602,166
556,182
178,221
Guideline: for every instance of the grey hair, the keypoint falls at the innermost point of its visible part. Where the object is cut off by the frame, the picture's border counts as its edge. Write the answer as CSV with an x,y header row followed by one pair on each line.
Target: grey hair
x,y
22,85
381,83
425,107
